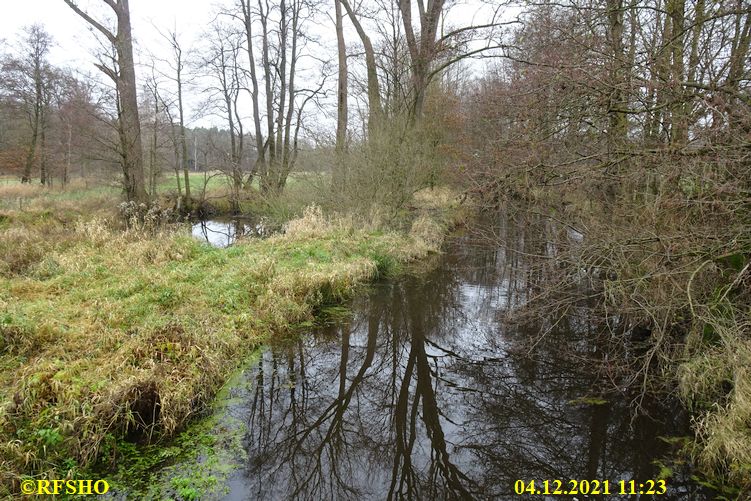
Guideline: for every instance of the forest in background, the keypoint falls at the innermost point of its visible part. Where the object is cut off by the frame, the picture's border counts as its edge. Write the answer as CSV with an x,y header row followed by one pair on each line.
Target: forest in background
x,y
624,123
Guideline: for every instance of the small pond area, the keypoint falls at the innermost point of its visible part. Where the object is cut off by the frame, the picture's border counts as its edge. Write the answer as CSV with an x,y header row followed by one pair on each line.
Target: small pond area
x,y
225,231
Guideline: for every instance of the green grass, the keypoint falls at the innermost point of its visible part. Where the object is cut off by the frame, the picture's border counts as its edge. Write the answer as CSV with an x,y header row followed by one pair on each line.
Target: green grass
x,y
198,180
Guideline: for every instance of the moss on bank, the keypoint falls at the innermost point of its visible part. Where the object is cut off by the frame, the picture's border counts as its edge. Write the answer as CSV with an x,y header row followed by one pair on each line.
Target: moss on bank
x,y
111,335
199,461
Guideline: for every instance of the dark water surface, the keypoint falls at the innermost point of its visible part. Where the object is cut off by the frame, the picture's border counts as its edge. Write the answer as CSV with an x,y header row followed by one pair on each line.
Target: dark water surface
x,y
423,393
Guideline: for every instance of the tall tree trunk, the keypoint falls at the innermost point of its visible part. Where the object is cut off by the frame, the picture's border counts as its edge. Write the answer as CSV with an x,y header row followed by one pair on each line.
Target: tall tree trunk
x,y
280,113
374,92
740,47
176,152
26,177
266,182
44,176
261,168
125,82
652,121
131,123
154,143
66,171
422,49
183,143
662,77
37,44
287,148
35,121
237,130
738,56
617,122
693,59
340,175
679,121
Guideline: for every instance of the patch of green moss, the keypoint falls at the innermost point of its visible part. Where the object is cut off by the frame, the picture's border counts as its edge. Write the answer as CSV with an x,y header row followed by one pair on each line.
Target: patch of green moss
x,y
197,463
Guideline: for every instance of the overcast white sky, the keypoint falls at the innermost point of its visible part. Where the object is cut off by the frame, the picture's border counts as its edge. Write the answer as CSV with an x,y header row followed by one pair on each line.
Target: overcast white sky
x,y
75,44
71,32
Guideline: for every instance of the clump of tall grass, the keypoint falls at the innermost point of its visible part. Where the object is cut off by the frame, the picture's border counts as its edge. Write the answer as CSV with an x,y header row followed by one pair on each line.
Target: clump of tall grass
x,y
435,198
311,224
437,213
21,249
715,380
145,216
27,238
428,232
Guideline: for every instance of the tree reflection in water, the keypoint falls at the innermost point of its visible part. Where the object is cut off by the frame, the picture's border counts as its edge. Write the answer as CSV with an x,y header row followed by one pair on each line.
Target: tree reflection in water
x,y
424,394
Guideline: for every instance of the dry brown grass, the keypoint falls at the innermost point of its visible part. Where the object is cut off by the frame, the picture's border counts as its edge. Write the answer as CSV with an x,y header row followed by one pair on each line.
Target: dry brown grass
x,y
15,191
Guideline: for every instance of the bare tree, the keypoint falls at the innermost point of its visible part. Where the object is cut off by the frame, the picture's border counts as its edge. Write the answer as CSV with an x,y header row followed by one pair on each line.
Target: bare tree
x,y
177,67
222,61
341,89
339,174
152,85
422,46
178,72
28,77
393,59
374,91
260,165
283,39
617,128
124,77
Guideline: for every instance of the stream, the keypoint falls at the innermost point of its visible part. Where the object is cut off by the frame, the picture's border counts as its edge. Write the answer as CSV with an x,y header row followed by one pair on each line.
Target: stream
x,y
422,391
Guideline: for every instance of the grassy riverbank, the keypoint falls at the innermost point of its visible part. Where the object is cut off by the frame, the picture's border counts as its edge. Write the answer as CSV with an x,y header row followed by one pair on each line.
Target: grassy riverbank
x,y
109,334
